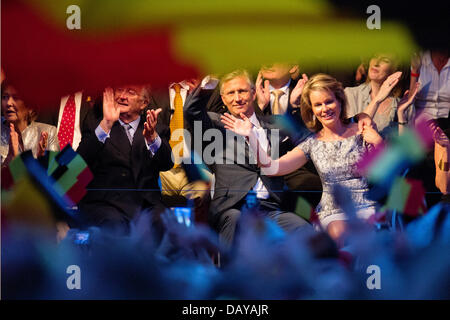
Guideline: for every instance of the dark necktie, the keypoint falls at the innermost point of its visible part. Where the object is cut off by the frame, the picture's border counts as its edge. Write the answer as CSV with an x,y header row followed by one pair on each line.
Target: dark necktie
x,y
127,128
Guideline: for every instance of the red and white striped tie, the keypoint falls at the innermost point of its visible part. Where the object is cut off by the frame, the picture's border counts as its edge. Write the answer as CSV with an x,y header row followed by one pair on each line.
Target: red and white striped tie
x,y
66,128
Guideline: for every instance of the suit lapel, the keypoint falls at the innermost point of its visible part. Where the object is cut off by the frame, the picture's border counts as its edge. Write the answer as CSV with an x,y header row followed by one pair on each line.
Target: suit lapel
x,y
165,105
247,157
267,129
292,85
84,108
269,146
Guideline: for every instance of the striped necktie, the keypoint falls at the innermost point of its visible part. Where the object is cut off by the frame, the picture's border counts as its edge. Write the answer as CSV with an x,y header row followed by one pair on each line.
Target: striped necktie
x,y
127,128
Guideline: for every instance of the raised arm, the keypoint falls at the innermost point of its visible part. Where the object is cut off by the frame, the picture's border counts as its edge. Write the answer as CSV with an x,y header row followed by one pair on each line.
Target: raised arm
x,y
288,163
296,93
111,110
13,141
404,105
384,91
157,144
195,109
416,63
262,92
90,144
149,131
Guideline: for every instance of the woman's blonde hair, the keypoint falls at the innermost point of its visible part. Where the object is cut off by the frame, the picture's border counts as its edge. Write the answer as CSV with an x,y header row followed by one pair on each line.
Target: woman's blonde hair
x,y
321,82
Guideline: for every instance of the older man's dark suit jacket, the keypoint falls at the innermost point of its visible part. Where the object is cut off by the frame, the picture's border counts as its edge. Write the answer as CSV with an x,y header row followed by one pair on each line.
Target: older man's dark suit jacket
x,y
233,180
125,176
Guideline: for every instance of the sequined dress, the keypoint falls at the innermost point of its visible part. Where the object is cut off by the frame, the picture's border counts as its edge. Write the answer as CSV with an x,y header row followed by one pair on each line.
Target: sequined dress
x,y
335,162
30,138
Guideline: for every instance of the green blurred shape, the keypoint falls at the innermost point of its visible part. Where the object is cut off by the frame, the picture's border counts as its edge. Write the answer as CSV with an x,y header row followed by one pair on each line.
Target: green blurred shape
x,y
69,178
399,195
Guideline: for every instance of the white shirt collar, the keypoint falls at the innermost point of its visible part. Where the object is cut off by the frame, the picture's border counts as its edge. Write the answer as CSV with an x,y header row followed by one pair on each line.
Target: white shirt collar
x,y
183,85
284,88
427,58
428,61
134,124
254,120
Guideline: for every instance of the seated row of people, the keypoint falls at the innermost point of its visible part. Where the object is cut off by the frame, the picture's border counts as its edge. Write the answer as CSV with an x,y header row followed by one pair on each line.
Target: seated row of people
x,y
126,140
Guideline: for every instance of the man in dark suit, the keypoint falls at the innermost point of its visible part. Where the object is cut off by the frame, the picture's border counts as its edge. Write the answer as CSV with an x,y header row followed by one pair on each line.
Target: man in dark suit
x,y
177,188
274,86
125,151
236,172
164,99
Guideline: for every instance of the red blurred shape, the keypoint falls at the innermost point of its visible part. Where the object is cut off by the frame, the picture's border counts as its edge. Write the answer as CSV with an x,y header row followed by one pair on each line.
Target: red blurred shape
x,y
45,62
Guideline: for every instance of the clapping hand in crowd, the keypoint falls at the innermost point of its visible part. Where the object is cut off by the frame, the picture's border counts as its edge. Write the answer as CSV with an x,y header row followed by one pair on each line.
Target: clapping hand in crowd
x,y
262,92
296,93
406,101
149,131
43,143
111,110
387,86
13,141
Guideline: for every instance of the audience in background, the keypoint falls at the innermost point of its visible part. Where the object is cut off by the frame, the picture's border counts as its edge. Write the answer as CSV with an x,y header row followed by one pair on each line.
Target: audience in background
x,y
389,114
20,131
131,246
432,71
70,117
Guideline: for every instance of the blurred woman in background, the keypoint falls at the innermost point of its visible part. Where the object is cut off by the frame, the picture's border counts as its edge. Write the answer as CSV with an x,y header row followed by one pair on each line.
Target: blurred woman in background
x,y
19,131
391,114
